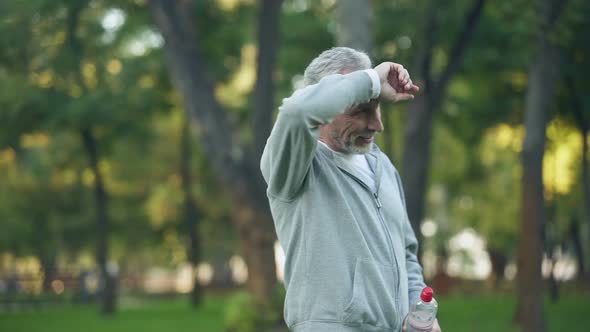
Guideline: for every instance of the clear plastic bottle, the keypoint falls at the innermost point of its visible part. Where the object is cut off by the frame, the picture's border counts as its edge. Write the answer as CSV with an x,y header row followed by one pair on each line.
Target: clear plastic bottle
x,y
422,314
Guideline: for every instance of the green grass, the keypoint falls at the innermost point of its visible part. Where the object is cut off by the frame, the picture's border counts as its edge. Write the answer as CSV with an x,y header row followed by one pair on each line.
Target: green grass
x,y
457,313
485,313
161,316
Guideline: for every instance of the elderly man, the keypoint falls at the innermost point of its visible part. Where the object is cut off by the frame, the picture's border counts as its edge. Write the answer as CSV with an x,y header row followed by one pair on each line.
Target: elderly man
x,y
337,200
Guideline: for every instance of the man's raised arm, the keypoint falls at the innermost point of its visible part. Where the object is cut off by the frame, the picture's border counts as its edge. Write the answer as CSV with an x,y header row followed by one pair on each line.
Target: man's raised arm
x,y
291,146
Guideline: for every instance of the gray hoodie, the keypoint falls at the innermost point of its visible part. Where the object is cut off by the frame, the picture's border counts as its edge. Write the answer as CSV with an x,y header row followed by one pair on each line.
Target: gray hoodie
x,y
350,252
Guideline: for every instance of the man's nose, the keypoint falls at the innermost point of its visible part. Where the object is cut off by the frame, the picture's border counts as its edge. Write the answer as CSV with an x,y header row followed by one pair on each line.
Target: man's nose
x,y
375,123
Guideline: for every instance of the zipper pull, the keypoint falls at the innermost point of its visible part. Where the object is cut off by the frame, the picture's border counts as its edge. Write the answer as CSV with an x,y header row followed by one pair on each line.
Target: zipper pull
x,y
377,200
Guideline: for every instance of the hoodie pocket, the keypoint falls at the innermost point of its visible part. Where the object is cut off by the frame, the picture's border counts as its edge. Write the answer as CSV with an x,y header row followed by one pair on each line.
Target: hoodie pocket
x,y
374,297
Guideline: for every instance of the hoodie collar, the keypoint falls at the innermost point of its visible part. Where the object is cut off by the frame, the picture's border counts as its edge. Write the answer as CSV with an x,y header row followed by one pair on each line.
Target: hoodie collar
x,y
373,158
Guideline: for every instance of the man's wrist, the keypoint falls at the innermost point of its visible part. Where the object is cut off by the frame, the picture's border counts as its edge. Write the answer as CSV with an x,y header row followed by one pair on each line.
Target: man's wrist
x,y
375,83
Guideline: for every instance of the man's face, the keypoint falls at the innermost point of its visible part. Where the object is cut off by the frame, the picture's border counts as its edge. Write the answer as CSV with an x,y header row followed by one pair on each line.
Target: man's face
x,y
354,130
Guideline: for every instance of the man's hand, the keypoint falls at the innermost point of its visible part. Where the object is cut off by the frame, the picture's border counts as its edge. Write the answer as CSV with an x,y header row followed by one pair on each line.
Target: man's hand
x,y
396,84
435,327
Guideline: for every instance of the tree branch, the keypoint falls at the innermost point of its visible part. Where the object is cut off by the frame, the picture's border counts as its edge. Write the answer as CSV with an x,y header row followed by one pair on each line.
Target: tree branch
x,y
458,49
423,61
192,78
555,8
268,36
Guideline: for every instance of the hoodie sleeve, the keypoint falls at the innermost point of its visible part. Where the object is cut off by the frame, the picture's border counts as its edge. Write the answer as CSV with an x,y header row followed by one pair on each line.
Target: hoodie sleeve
x,y
289,150
413,267
415,279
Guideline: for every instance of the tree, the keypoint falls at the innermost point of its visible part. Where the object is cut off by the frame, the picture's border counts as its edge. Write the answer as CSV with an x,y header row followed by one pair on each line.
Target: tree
x,y
420,113
236,164
539,105
107,272
191,212
584,127
575,101
73,72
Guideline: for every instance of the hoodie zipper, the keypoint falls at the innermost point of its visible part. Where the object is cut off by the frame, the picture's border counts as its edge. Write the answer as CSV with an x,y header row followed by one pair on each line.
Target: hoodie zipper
x,y
387,232
384,225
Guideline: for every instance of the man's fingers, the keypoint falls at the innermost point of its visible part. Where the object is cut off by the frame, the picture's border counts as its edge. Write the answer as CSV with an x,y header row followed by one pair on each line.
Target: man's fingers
x,y
396,67
402,74
404,80
399,70
413,89
408,85
404,96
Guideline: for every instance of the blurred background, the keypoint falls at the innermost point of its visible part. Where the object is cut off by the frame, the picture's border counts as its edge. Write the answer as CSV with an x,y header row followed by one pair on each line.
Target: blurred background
x,y
131,130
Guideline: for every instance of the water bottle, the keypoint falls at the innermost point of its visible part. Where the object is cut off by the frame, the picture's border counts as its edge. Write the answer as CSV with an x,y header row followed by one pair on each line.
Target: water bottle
x,y
422,314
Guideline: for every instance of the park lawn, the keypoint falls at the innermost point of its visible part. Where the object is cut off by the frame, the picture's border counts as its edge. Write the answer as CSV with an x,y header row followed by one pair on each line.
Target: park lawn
x,y
155,316
494,313
457,313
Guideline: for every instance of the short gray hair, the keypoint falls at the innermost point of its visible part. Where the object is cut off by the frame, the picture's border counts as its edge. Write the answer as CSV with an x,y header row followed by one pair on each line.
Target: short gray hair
x,y
334,61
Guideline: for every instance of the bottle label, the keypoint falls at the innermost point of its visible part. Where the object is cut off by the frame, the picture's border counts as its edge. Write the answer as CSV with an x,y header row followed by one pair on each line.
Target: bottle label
x,y
420,321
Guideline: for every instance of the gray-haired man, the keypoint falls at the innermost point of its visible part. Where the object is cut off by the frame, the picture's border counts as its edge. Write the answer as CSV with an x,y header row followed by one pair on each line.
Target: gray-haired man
x,y
337,201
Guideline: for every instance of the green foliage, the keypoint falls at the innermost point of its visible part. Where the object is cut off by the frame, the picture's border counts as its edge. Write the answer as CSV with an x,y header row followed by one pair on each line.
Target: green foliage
x,y
243,315
58,78
233,29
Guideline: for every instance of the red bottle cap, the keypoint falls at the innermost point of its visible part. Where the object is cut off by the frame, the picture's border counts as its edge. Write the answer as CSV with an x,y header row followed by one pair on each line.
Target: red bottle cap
x,y
427,294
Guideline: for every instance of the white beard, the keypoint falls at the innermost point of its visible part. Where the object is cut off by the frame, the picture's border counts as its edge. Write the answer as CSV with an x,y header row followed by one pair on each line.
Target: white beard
x,y
350,147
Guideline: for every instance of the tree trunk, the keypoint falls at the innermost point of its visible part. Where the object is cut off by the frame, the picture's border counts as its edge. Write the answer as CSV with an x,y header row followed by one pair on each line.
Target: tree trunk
x,y
530,249
264,91
257,248
584,126
586,176
47,258
420,113
575,237
499,260
240,175
44,249
553,284
586,172
586,184
256,228
416,159
550,243
49,267
108,274
191,213
353,24
539,103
